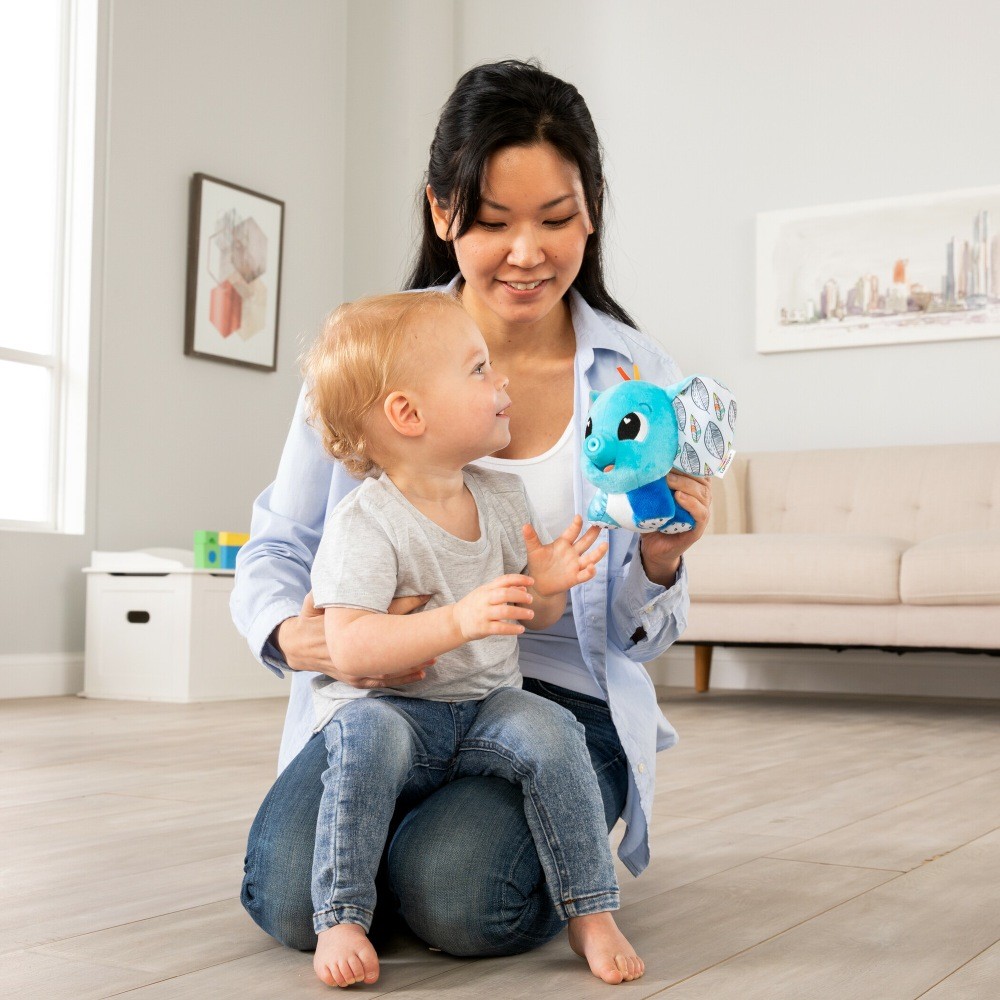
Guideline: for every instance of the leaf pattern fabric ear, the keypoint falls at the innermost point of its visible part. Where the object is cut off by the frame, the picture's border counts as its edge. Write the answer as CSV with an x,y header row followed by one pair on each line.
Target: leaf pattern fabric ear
x,y
706,425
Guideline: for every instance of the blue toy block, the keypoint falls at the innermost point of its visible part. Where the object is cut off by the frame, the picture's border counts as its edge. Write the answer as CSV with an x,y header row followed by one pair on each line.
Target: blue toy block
x,y
228,556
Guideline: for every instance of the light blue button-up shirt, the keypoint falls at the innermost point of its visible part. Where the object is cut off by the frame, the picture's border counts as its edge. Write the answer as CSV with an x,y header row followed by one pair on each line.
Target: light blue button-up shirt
x,y
619,605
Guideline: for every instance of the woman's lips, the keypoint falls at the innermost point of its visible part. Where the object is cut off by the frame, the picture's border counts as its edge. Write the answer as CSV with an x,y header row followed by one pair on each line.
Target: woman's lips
x,y
525,289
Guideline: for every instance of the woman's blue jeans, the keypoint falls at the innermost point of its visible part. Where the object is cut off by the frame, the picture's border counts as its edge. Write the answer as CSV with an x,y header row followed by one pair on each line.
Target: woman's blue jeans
x,y
460,868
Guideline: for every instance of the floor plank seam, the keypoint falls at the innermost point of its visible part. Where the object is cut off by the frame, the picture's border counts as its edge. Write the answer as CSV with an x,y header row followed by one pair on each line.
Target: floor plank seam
x,y
957,847
137,989
778,934
879,812
76,886
954,971
141,920
416,982
817,789
834,864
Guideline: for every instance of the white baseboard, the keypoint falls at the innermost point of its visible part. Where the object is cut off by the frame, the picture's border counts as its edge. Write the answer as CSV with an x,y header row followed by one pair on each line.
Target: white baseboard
x,y
855,671
40,675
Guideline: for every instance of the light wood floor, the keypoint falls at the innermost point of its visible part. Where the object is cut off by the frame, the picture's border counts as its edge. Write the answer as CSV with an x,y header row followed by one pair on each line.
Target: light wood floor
x,y
803,847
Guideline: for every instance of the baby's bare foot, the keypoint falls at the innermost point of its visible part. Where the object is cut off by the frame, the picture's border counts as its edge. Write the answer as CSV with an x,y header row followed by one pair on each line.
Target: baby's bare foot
x,y
596,938
344,956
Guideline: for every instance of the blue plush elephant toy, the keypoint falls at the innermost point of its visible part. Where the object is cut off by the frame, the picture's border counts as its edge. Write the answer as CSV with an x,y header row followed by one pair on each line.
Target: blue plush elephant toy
x,y
637,431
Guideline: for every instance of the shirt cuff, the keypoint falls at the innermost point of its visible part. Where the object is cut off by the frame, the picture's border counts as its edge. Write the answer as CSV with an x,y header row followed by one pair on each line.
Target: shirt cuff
x,y
259,636
650,604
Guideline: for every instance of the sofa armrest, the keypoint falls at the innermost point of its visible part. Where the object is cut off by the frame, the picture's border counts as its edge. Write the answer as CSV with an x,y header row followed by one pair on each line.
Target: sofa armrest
x,y
729,516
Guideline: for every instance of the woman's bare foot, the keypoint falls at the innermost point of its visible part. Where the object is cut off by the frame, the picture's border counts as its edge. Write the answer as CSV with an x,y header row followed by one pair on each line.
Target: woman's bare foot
x,y
344,956
596,938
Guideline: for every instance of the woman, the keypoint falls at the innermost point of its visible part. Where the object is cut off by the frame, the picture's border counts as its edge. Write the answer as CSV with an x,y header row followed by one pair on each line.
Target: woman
x,y
512,225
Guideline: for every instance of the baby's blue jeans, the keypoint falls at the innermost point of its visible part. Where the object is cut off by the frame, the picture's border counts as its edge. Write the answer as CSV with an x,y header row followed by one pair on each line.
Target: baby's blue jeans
x,y
387,750
460,868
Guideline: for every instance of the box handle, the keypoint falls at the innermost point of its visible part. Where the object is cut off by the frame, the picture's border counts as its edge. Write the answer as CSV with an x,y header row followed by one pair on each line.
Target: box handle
x,y
137,617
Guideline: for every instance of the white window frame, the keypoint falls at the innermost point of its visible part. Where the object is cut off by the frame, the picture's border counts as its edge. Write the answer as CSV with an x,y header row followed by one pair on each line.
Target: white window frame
x,y
68,360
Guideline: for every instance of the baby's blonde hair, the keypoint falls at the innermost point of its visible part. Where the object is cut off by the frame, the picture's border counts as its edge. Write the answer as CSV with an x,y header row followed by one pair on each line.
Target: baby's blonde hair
x,y
358,358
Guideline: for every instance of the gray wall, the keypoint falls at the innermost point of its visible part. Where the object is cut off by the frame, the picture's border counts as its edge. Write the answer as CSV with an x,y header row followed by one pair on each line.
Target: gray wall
x,y
710,113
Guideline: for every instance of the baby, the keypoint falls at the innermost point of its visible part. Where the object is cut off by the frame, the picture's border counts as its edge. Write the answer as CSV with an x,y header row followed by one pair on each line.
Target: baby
x,y
402,391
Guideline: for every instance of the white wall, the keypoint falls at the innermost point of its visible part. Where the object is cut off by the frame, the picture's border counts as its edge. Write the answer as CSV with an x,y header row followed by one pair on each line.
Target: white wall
x,y
400,70
249,91
714,111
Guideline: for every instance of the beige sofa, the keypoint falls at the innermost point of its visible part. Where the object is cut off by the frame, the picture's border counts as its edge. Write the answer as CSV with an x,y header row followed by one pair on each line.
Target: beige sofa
x,y
892,548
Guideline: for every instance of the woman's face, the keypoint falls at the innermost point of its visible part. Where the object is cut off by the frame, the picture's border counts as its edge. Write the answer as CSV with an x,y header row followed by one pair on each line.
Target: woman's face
x,y
525,247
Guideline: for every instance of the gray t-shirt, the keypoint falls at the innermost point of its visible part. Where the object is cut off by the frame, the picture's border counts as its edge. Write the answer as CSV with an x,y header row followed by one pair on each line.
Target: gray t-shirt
x,y
377,546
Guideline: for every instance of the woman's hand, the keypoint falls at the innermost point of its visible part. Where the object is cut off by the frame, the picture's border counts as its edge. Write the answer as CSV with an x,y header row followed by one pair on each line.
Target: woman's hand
x,y
661,554
303,644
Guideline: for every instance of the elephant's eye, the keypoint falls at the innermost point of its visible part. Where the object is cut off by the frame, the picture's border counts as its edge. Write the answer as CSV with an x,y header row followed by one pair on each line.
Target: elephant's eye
x,y
590,428
633,427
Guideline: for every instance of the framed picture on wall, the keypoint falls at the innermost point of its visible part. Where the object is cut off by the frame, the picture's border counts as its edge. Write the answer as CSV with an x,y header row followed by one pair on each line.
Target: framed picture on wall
x,y
898,271
234,274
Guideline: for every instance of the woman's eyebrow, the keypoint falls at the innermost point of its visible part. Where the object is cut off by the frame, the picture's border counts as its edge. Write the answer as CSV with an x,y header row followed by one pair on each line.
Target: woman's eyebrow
x,y
503,208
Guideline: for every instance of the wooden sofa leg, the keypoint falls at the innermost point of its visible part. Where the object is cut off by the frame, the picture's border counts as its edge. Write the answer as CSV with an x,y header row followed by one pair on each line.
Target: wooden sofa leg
x,y
702,667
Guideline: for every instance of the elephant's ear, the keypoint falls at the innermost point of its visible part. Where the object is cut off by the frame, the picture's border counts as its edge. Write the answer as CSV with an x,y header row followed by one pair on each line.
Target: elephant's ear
x,y
594,394
706,425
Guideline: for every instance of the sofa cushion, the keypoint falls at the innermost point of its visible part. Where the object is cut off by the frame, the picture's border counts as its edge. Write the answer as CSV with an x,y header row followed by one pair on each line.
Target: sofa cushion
x,y
906,492
796,569
961,568
728,507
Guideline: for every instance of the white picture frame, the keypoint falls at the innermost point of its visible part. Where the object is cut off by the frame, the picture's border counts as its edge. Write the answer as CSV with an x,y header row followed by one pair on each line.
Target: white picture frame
x,y
828,276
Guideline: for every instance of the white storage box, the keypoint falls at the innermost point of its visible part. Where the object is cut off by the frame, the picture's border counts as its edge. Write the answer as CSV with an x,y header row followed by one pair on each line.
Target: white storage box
x,y
168,637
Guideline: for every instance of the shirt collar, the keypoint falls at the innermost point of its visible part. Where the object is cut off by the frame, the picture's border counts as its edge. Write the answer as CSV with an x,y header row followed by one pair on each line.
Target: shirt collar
x,y
595,331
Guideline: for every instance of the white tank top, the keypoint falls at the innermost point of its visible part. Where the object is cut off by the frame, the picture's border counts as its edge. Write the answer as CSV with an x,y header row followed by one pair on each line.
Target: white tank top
x,y
548,480
553,655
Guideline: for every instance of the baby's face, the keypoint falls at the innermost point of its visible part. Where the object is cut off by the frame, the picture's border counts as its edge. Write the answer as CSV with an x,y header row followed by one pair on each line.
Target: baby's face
x,y
463,399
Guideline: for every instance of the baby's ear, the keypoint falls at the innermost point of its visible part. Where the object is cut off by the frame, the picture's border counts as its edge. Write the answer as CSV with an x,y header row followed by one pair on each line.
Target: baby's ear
x,y
403,415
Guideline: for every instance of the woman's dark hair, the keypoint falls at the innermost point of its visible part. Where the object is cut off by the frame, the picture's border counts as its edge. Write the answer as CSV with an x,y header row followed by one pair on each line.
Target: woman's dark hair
x,y
494,106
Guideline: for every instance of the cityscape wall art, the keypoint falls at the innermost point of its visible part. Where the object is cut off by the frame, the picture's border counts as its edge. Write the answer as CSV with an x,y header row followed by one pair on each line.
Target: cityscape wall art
x,y
897,271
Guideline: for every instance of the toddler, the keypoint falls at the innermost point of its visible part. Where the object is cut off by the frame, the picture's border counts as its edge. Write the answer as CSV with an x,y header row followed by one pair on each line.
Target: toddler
x,y
402,391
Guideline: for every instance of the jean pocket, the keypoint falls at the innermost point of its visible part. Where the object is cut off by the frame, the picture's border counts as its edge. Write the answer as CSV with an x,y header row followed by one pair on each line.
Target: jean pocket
x,y
600,765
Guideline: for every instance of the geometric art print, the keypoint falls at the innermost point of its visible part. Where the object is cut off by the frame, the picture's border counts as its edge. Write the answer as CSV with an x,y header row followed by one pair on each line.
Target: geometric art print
x,y
234,272
236,260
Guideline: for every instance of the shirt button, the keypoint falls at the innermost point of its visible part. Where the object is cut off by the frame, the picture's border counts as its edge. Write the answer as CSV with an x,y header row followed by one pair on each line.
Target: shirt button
x,y
641,768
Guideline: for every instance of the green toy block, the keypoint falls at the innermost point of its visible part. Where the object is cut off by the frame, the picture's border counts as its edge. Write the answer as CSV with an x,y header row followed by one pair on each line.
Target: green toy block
x,y
207,553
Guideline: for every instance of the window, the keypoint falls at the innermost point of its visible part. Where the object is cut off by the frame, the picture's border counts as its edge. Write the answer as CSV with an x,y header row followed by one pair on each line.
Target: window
x,y
48,70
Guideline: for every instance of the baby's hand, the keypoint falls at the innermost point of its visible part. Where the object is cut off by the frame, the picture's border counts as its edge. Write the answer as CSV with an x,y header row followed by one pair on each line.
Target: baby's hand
x,y
487,610
564,562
